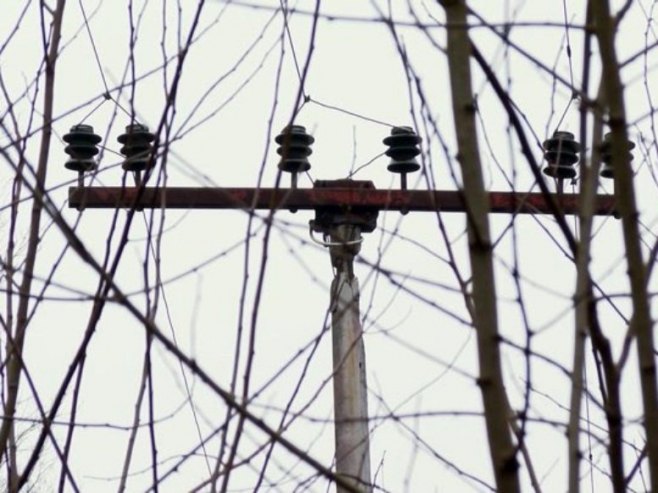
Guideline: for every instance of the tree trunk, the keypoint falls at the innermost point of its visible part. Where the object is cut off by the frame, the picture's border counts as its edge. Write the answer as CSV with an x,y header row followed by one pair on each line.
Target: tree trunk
x,y
501,446
642,325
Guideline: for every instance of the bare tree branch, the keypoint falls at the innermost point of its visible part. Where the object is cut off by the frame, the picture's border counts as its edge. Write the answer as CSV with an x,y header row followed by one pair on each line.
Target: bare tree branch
x,y
501,447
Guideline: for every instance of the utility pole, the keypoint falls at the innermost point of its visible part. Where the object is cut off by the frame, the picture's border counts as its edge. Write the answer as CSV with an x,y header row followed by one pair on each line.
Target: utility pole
x,y
343,230
344,210
349,358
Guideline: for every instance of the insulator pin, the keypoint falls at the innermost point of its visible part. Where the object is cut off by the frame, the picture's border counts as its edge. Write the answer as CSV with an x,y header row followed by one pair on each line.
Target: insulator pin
x,y
561,153
294,149
403,149
606,155
82,147
137,147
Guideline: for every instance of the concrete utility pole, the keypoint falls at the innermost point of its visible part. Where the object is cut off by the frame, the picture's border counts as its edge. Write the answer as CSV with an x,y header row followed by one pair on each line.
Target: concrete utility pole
x,y
344,209
349,358
343,230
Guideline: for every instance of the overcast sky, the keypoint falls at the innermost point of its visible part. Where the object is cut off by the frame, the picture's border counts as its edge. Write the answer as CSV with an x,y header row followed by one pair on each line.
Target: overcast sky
x,y
238,86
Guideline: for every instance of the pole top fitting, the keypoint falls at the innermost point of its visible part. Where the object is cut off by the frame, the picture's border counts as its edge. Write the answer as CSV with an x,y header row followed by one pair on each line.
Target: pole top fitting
x,y
327,218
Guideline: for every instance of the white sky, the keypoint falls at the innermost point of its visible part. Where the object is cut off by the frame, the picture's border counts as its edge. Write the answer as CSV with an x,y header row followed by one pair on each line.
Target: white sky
x,y
357,69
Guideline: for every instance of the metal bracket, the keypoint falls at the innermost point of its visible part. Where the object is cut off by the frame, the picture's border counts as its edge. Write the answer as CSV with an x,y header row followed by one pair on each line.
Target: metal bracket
x,y
328,218
344,225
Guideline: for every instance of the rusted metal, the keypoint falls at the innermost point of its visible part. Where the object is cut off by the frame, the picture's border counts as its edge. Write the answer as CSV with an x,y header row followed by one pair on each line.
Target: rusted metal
x,y
328,217
314,198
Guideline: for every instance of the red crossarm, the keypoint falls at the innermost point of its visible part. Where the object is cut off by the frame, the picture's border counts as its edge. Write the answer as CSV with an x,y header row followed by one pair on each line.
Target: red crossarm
x,y
314,198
